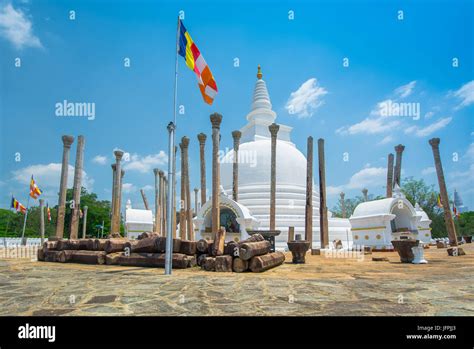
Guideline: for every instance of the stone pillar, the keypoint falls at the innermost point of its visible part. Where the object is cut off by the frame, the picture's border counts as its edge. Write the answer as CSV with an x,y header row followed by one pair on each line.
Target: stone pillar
x,y
189,212
161,203
122,174
443,192
67,141
273,128
76,195
164,211
343,205
398,163
309,194
202,142
365,192
157,224
196,206
323,210
235,166
216,120
41,205
114,177
84,222
145,200
115,226
389,175
182,203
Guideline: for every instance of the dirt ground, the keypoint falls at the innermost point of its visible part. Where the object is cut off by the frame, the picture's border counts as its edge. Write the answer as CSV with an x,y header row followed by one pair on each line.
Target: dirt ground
x,y
323,286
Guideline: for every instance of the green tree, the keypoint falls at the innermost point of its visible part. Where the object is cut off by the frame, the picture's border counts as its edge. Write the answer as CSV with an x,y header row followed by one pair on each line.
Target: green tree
x,y
11,223
465,224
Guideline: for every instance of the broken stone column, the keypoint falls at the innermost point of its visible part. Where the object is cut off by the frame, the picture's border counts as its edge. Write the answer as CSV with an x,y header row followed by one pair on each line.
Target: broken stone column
x,y
398,163
202,142
389,175
189,212
343,205
443,192
196,206
164,195
76,195
67,141
273,128
41,205
235,166
157,225
365,192
309,194
216,120
115,226
122,174
323,210
84,222
145,200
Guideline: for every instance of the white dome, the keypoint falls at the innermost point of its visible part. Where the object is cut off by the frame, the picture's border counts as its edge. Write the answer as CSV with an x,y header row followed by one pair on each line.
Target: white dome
x,y
255,162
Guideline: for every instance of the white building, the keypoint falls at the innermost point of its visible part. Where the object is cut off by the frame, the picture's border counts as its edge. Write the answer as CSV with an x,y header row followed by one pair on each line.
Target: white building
x,y
376,223
137,221
253,207
424,229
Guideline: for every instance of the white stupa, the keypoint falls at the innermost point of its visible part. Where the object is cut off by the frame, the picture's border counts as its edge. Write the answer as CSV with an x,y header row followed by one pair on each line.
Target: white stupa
x,y
254,176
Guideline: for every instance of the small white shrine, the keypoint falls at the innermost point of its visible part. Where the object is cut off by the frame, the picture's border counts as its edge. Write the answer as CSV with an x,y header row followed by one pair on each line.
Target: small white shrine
x,y
424,229
376,223
137,221
235,217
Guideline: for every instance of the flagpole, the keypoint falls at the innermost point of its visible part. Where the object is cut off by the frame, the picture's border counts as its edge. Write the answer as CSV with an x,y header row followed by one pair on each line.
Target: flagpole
x,y
171,175
24,221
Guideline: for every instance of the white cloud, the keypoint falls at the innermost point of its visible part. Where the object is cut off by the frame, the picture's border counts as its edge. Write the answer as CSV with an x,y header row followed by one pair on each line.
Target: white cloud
x,y
128,188
370,126
47,176
148,187
17,28
466,94
368,177
146,164
429,114
306,99
405,90
470,153
426,131
428,171
100,159
386,140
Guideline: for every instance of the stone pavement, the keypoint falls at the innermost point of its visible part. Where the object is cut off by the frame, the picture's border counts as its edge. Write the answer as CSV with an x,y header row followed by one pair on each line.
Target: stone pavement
x,y
323,286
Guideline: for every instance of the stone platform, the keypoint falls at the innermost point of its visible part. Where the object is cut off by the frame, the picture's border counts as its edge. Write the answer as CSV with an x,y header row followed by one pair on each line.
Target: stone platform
x,y
322,286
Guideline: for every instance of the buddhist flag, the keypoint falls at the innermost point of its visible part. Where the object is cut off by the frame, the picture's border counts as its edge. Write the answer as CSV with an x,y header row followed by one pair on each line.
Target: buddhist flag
x,y
48,212
18,206
34,190
440,205
80,213
195,61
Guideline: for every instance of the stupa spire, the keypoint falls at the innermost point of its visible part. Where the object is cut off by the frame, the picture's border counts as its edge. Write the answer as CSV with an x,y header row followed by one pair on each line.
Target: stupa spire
x,y
261,108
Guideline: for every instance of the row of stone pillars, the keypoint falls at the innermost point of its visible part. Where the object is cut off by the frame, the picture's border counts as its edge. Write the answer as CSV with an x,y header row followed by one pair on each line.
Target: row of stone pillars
x,y
76,196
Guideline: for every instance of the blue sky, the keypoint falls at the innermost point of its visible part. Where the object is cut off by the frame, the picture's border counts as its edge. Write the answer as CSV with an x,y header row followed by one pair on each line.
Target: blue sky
x,y
407,60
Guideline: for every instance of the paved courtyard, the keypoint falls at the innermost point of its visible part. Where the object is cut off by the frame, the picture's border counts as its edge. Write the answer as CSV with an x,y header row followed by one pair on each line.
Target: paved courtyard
x,y
323,286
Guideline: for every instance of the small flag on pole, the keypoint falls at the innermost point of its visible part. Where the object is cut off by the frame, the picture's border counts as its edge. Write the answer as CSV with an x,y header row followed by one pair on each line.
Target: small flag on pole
x,y
195,61
80,213
34,190
48,212
18,206
440,205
